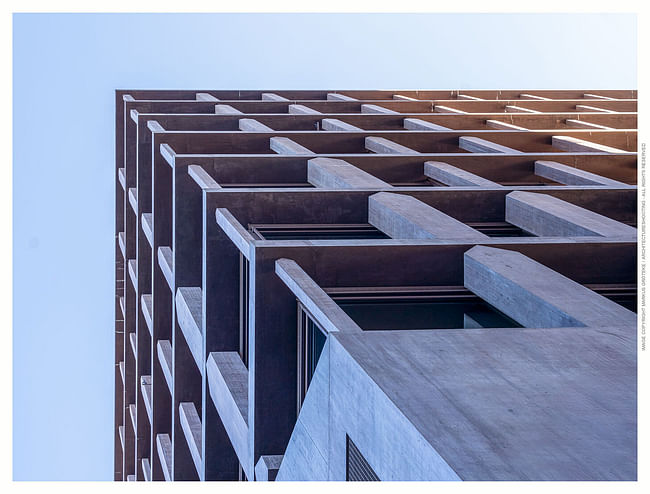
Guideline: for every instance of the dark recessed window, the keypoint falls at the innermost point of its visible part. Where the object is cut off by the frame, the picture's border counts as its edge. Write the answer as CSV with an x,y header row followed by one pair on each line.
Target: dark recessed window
x,y
311,340
357,467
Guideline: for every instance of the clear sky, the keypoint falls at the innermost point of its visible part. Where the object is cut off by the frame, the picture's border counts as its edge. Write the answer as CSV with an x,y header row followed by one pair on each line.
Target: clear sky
x,y
66,67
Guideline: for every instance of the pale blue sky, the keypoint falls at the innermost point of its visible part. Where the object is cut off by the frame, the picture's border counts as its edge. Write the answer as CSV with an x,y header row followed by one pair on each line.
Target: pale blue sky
x,y
66,68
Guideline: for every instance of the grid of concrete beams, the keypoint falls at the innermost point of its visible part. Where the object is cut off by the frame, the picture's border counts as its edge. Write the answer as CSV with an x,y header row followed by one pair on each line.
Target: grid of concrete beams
x,y
245,218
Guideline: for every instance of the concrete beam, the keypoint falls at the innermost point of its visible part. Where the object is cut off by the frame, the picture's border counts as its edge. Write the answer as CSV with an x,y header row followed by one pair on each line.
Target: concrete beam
x,y
339,97
205,97
404,217
568,175
547,216
597,96
384,146
164,351
574,145
338,174
400,97
455,177
267,467
588,108
226,110
302,110
189,312
446,109
191,425
532,96
519,109
376,109
330,317
147,227
147,313
239,236
497,124
478,145
251,125
166,263
468,97
418,124
164,448
338,125
227,378
536,296
202,178
284,145
579,124
273,97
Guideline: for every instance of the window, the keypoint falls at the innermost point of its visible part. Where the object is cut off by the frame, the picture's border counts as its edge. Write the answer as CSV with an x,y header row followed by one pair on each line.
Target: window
x,y
244,267
357,467
311,340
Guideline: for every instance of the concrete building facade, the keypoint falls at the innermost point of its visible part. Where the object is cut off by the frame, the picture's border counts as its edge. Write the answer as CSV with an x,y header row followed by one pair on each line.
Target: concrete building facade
x,y
376,285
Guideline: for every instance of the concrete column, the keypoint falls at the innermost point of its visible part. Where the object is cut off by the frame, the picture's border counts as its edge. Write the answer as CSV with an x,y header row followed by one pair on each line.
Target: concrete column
x,y
376,109
226,110
478,145
404,217
338,174
284,145
548,216
573,145
251,125
455,177
273,97
568,175
418,124
384,146
338,125
302,110
536,296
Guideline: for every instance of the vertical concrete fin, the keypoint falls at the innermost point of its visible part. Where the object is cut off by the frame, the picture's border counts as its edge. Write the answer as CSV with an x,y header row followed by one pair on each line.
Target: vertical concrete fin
x,y
419,124
333,173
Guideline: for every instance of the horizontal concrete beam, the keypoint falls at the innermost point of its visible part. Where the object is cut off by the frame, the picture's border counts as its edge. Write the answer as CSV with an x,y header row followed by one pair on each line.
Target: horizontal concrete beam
x,y
497,124
226,110
575,145
588,108
536,296
446,109
401,97
338,125
267,467
338,174
384,146
597,96
478,145
205,97
239,235
191,425
547,216
251,125
468,97
302,110
273,97
404,217
376,109
568,175
189,303
329,316
166,263
519,109
455,177
202,178
418,124
579,124
339,97
532,96
284,145
227,378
